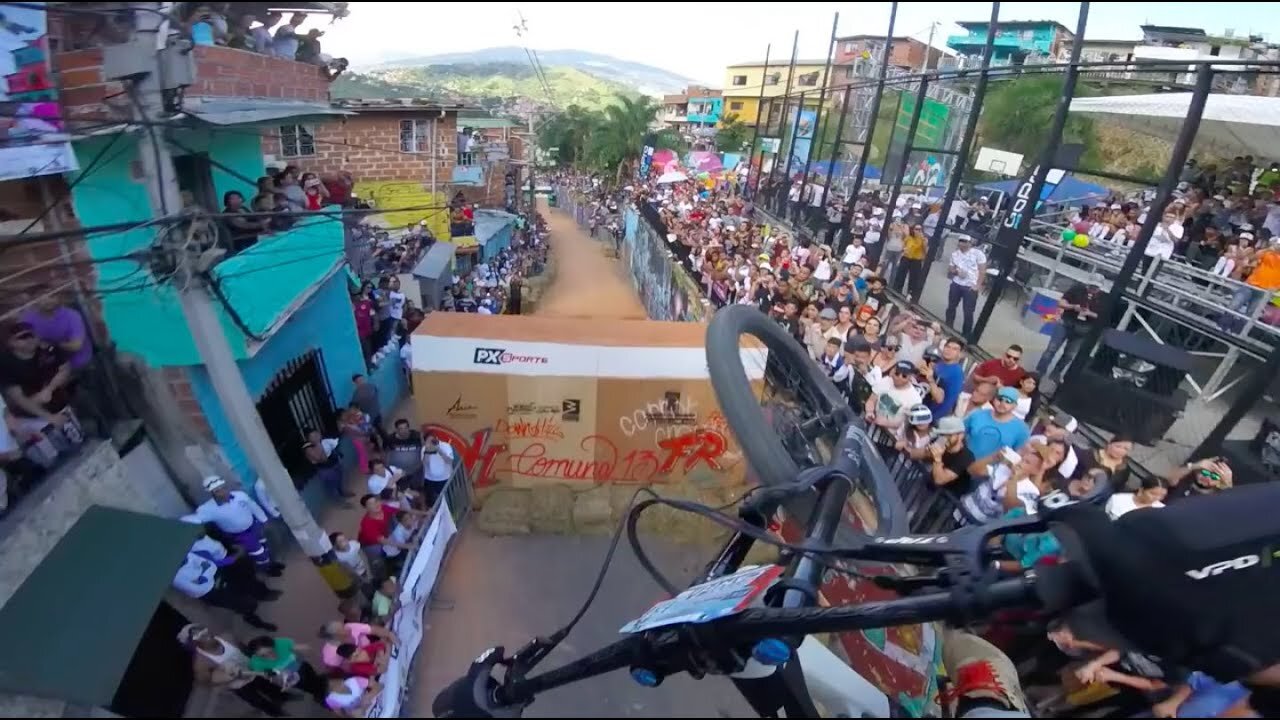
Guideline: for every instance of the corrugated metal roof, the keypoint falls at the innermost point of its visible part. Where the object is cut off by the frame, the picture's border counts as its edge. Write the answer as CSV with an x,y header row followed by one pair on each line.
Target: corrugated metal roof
x,y
402,105
246,111
486,123
435,262
490,223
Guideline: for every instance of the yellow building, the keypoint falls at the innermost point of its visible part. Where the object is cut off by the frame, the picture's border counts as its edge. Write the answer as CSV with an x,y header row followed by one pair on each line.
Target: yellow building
x,y
742,83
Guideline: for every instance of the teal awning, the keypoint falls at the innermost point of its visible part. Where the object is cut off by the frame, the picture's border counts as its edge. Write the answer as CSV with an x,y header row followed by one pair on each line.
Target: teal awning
x,y
70,630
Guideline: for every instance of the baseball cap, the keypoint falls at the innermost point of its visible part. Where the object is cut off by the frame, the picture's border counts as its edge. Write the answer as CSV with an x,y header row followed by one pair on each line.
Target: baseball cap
x,y
857,344
1095,279
1008,393
827,314
1064,420
920,415
213,482
950,425
904,367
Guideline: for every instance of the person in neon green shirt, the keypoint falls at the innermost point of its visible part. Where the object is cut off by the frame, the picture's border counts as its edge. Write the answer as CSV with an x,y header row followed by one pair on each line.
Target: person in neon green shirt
x,y
278,659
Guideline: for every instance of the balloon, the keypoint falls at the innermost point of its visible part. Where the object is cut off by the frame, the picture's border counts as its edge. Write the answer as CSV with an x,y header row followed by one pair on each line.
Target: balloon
x,y
1082,227
1068,234
1081,241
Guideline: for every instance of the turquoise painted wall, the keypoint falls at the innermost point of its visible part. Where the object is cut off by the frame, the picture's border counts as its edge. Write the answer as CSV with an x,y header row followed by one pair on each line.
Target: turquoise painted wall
x,y
325,322
261,283
716,106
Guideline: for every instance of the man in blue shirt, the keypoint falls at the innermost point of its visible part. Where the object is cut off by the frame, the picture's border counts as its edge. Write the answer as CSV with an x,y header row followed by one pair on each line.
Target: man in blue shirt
x,y
988,431
944,376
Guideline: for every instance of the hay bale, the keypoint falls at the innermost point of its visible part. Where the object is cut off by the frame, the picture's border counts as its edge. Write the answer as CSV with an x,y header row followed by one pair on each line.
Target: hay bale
x,y
505,512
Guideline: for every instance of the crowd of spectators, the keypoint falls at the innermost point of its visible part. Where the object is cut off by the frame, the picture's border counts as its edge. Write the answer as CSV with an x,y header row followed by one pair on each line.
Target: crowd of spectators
x,y
495,285
224,24
975,446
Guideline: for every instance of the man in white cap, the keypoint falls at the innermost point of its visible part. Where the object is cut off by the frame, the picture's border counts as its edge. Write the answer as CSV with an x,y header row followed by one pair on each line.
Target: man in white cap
x,y
206,574
241,518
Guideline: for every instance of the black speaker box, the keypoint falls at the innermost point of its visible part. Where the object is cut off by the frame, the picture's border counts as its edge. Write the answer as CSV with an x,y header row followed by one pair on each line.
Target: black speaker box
x,y
1098,398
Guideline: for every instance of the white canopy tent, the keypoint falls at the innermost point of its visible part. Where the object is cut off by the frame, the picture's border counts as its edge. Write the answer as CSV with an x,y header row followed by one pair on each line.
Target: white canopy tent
x,y
672,176
1231,125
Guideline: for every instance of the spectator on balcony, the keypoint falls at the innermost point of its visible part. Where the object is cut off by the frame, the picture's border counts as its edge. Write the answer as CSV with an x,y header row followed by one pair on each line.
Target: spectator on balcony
x,y
314,194
285,44
36,381
243,230
339,186
61,326
309,48
261,35
291,188
208,27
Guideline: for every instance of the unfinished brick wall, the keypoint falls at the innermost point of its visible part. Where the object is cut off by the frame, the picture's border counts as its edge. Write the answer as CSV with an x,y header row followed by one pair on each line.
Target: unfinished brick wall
x,y
179,384
368,146
220,72
63,265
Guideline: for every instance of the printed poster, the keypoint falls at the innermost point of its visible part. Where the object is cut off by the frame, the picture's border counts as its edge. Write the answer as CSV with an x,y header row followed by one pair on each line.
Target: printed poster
x,y
33,137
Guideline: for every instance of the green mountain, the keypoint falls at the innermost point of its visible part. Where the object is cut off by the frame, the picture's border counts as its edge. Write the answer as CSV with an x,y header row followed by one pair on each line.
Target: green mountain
x,y
497,85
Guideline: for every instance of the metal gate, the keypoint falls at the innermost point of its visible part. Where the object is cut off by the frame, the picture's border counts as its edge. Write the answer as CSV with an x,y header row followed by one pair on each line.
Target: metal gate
x,y
298,399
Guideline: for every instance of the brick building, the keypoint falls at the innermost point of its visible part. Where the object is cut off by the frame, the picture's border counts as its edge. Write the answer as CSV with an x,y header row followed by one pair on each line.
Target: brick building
x,y
905,52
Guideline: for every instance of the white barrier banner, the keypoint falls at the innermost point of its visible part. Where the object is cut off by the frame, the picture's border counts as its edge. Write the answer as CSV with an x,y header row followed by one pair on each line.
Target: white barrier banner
x,y
416,582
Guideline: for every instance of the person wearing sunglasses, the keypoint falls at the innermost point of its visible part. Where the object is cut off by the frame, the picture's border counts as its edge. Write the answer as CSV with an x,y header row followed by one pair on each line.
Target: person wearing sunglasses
x,y
1006,370
1203,477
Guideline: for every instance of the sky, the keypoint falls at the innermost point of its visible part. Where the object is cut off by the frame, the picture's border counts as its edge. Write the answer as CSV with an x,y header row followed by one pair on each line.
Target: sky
x,y
698,40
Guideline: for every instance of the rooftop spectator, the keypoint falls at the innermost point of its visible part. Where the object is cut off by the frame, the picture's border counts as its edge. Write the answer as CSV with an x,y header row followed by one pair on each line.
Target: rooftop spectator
x,y
285,44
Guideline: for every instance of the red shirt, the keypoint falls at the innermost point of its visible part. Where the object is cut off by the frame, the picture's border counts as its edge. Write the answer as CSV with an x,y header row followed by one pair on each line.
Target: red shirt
x,y
365,669
364,317
373,529
1009,377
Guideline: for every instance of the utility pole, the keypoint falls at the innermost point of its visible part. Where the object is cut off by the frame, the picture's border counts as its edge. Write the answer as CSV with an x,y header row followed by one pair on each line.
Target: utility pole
x,y
152,67
928,48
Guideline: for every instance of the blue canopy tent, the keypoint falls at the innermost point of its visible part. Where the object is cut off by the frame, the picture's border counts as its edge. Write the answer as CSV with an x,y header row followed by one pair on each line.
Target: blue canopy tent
x,y
1072,190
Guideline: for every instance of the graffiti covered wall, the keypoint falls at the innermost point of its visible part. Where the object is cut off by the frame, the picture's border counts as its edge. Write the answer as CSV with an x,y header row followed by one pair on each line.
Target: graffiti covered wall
x,y
667,291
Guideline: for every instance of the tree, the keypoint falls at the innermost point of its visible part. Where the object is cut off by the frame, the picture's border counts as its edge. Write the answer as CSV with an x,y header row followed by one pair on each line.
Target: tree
x,y
732,134
1017,114
609,140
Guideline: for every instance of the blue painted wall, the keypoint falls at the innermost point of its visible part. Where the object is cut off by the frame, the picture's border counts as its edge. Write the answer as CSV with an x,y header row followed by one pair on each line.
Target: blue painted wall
x,y
711,117
262,283
1038,39
325,322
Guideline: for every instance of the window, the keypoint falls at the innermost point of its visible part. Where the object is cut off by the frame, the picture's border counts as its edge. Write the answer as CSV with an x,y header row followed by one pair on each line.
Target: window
x,y
296,141
808,79
773,78
850,47
739,80
735,106
415,136
851,72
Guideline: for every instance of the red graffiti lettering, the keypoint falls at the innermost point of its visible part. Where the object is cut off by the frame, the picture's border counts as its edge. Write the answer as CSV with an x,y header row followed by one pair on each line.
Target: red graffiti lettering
x,y
543,428
698,446
478,456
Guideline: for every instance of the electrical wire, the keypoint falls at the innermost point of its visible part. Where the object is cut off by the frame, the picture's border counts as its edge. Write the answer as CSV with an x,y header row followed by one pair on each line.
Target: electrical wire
x,y
215,286
88,170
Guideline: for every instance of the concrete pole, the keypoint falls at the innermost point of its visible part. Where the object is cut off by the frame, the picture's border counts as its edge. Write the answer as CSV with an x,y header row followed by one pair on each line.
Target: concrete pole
x,y
204,322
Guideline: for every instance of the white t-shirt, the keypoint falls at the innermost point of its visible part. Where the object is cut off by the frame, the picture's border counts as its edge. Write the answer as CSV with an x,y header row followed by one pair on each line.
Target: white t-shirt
x,y
397,304
437,467
966,263
986,502
353,687
893,402
1123,503
378,483
854,254
1163,240
400,534
353,559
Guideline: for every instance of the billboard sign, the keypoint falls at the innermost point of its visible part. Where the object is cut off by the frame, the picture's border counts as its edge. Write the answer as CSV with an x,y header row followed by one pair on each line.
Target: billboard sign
x,y
33,136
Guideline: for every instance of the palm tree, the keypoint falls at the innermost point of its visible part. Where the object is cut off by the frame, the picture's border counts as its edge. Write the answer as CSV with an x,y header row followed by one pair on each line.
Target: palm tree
x,y
618,141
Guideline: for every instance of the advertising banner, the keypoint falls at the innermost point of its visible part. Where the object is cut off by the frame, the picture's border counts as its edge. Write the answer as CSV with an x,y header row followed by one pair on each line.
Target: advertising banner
x,y
804,140
416,581
33,137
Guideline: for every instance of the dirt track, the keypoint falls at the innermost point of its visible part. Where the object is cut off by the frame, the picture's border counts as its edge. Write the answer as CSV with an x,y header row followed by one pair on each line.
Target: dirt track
x,y
586,283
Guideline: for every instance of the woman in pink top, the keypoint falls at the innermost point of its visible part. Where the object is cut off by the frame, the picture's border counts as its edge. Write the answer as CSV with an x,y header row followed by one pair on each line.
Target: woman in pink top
x,y
359,634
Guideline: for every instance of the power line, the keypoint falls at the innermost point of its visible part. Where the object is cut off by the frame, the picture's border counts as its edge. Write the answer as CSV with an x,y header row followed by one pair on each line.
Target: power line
x,y
66,191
